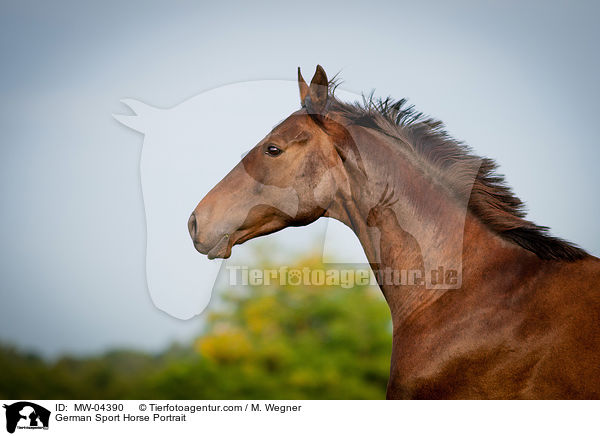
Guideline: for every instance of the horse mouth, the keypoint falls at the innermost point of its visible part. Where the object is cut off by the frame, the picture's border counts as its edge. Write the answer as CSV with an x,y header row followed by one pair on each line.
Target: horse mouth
x,y
222,249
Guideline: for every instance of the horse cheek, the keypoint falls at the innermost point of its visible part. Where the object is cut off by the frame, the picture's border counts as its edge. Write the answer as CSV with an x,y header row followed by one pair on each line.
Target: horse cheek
x,y
324,190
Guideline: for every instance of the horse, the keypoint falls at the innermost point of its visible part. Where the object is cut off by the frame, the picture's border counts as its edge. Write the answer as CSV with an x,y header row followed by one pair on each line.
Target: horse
x,y
512,312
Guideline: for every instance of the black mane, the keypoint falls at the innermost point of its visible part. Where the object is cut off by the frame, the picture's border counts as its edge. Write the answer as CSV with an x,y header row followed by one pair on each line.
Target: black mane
x,y
490,199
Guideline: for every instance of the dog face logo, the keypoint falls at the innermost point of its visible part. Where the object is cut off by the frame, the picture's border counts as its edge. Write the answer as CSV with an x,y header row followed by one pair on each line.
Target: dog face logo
x,y
26,415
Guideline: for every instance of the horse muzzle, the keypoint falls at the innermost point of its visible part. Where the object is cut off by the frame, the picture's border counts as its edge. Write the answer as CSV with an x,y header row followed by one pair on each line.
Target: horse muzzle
x,y
212,247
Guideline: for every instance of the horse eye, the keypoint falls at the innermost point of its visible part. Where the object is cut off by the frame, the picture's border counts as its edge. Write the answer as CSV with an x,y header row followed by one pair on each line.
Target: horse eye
x,y
273,151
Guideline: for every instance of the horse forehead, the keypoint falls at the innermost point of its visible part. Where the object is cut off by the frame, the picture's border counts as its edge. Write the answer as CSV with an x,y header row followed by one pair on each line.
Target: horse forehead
x,y
290,127
284,134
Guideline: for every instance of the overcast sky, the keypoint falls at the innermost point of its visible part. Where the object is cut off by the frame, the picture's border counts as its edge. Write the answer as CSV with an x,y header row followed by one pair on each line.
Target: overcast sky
x,y
518,81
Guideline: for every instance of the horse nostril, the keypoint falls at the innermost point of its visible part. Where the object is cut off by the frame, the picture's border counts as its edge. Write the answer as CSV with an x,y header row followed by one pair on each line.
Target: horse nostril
x,y
192,226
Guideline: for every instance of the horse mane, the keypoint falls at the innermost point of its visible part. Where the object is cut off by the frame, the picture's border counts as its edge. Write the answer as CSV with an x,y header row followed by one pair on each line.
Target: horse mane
x,y
490,198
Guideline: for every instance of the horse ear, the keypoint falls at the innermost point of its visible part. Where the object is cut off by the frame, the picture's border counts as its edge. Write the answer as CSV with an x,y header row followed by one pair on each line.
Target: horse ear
x,y
303,88
319,91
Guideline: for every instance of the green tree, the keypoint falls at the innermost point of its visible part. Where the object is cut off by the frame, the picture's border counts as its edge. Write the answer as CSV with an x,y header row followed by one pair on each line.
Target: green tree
x,y
265,342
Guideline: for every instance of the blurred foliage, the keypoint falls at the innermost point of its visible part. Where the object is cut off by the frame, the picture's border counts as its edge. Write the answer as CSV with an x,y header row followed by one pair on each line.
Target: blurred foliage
x,y
263,342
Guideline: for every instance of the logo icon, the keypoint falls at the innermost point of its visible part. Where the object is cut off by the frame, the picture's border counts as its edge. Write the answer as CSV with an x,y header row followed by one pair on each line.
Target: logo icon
x,y
26,415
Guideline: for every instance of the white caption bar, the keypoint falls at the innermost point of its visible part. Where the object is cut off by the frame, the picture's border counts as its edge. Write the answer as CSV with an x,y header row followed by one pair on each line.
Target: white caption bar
x,y
298,417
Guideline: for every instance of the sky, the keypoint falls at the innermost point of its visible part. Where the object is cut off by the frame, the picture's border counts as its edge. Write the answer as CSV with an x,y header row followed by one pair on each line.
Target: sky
x,y
517,81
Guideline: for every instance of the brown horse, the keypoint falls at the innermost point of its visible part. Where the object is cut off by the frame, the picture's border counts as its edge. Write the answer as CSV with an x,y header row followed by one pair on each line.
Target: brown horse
x,y
497,307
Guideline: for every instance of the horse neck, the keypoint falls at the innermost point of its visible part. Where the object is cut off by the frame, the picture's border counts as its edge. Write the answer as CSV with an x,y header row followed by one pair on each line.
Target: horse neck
x,y
419,227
